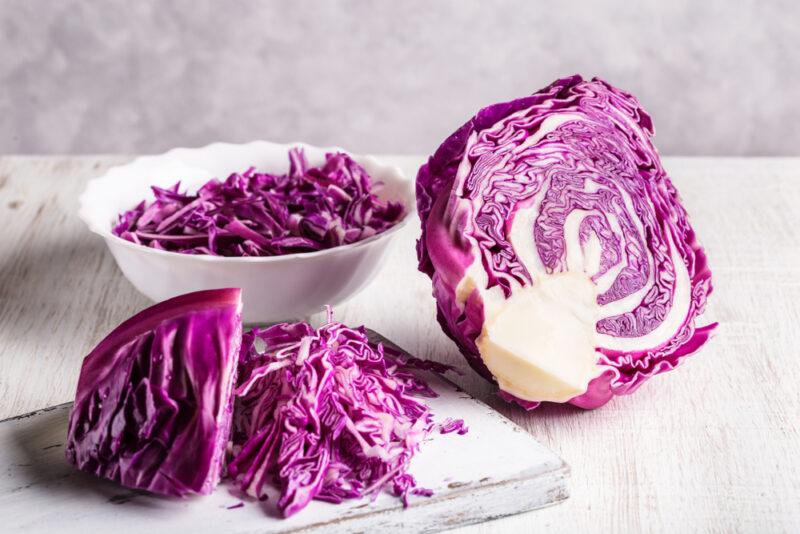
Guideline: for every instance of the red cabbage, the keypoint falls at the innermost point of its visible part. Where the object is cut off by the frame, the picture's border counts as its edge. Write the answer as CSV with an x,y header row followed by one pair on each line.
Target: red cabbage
x,y
453,425
563,263
327,415
260,214
153,405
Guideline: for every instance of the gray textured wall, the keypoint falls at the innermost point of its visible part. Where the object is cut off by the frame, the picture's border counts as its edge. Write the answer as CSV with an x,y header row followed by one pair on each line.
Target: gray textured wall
x,y
719,77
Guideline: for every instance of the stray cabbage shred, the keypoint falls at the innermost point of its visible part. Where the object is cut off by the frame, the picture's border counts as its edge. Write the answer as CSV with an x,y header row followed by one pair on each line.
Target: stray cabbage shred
x,y
327,415
261,214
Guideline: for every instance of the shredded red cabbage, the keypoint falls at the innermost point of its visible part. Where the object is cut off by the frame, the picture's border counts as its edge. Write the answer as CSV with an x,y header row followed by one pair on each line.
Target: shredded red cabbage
x,y
453,425
322,413
327,415
261,214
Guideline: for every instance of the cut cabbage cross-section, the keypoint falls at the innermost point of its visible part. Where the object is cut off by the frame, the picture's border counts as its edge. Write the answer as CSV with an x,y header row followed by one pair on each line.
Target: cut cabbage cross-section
x,y
563,263
154,400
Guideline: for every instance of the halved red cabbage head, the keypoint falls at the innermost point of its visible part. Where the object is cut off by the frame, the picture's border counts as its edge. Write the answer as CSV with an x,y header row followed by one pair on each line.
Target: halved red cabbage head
x,y
154,401
326,415
260,214
563,263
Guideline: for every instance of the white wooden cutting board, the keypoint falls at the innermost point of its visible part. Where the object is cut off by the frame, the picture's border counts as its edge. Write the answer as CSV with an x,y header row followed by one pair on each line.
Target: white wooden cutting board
x,y
494,470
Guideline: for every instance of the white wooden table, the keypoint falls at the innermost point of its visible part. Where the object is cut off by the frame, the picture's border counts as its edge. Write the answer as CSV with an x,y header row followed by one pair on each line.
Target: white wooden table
x,y
711,447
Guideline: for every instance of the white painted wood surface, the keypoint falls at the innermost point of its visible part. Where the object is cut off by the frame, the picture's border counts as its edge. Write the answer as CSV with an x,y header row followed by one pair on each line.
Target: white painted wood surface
x,y
711,447
39,492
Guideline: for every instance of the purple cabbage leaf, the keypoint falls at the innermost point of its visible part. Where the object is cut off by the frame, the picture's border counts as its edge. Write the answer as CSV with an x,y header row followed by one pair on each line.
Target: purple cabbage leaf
x,y
153,408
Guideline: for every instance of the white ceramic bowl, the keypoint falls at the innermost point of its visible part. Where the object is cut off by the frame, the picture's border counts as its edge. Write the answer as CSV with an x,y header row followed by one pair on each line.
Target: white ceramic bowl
x,y
274,288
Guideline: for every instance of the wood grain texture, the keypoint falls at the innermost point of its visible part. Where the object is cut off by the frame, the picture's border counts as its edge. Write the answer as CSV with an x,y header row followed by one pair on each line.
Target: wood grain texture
x,y
710,447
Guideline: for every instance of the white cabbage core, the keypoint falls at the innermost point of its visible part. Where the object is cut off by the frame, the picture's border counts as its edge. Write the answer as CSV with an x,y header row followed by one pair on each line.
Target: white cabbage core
x,y
539,343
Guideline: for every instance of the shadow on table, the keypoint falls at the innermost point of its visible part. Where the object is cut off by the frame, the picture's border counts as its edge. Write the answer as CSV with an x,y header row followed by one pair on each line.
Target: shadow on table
x,y
477,387
546,410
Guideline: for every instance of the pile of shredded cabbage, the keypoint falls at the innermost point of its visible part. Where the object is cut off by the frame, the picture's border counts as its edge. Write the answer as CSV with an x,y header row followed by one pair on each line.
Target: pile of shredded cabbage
x,y
328,415
261,214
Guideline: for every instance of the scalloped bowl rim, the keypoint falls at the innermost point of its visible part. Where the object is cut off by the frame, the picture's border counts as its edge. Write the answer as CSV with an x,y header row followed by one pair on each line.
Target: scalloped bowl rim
x,y
108,176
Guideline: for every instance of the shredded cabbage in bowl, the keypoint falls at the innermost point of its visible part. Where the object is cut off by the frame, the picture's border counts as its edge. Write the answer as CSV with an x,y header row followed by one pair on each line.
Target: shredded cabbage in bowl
x,y
261,214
